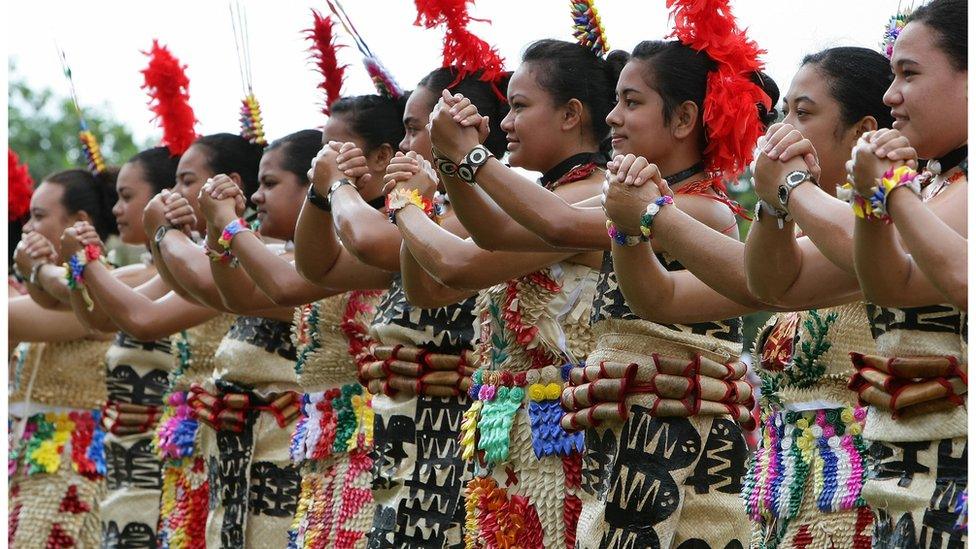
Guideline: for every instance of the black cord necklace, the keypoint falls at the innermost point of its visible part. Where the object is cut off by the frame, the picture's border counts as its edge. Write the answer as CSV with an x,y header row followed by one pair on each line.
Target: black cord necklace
x,y
684,174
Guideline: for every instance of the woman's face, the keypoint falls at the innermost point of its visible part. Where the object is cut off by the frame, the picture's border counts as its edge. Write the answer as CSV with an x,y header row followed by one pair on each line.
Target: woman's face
x,y
415,117
135,191
811,108
532,122
279,197
928,95
48,216
339,128
191,173
637,121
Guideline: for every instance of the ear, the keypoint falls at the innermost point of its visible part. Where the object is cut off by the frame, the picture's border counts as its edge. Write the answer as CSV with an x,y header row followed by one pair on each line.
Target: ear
x,y
236,177
379,157
572,114
866,124
684,120
80,215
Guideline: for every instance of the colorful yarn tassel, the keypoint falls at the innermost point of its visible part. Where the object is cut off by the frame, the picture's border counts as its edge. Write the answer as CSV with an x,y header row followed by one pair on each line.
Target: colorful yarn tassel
x,y
93,152
252,127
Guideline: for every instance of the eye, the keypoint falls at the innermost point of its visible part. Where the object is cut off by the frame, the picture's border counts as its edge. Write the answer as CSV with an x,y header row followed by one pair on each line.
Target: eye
x,y
630,103
800,113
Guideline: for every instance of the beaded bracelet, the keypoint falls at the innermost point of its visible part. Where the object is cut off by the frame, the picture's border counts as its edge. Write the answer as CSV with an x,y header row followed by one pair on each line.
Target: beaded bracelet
x,y
75,270
232,229
652,210
401,198
875,205
622,238
220,256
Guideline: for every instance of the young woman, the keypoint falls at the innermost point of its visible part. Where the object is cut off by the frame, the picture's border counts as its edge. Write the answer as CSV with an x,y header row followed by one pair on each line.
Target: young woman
x,y
417,460
832,108
533,310
56,464
332,438
916,420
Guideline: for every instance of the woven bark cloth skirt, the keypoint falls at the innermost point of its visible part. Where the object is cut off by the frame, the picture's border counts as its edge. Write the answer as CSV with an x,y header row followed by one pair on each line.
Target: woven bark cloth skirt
x,y
651,481
56,481
917,466
137,378
417,467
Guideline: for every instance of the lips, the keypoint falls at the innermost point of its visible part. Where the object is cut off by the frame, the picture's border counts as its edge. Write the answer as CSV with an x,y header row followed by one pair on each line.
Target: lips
x,y
512,144
900,120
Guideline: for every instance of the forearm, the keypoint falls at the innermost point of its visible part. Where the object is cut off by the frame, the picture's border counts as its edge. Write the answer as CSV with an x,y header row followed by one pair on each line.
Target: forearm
x,y
273,275
238,292
365,231
317,247
449,259
827,222
714,258
421,289
773,259
557,222
883,268
190,268
50,290
655,294
27,321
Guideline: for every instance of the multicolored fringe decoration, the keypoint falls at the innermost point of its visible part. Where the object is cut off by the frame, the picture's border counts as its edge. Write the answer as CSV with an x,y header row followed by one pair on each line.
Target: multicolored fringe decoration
x,y
184,505
360,304
894,27
494,520
382,78
323,52
252,127
824,443
20,187
962,509
469,430
500,398
587,27
306,334
176,432
729,110
463,51
168,87
331,423
41,448
545,412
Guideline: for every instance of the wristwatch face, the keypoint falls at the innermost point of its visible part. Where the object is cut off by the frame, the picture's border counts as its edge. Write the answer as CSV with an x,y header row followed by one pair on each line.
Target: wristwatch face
x,y
793,179
336,185
160,233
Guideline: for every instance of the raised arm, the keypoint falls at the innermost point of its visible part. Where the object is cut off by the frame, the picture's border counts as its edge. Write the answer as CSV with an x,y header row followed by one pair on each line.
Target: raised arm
x,y
28,321
36,259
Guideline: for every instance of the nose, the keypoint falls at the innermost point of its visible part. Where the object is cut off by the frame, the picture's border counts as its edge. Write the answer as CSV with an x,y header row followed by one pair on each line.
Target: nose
x,y
117,208
613,117
892,96
508,123
258,197
404,145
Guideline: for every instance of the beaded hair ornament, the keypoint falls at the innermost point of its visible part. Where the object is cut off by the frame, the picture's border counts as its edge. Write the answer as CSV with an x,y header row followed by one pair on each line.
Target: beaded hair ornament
x,y
384,81
729,110
463,51
252,126
89,143
894,27
168,87
587,27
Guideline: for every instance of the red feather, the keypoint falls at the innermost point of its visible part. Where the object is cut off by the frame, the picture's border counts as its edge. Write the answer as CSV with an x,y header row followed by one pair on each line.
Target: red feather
x,y
169,98
462,50
323,50
20,187
729,111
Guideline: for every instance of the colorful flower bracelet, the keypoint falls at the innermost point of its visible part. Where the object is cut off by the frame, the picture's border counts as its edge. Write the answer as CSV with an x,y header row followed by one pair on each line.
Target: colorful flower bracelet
x,y
401,198
651,212
622,238
75,270
875,205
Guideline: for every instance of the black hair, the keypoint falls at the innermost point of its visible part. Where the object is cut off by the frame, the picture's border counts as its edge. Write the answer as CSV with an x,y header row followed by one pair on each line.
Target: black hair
x,y
158,167
948,18
298,151
679,73
567,70
93,194
857,79
229,153
378,119
482,94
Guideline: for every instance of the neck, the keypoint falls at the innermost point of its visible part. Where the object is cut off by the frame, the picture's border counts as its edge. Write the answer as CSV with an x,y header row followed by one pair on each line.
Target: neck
x,y
678,161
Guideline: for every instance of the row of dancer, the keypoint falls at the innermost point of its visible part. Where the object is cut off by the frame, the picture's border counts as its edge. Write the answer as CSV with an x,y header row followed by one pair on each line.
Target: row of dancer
x,y
411,344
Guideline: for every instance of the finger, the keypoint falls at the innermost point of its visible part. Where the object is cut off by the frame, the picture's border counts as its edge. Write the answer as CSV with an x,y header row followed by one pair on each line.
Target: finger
x,y
625,167
891,145
398,176
776,137
460,105
903,154
647,173
639,164
801,148
356,173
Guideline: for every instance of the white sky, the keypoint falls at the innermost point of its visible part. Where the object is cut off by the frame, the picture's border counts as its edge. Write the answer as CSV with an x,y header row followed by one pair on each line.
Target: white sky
x,y
103,40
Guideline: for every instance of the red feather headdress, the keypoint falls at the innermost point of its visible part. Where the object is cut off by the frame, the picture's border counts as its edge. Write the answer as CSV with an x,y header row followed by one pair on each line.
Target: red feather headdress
x,y
462,50
20,187
730,114
323,50
169,98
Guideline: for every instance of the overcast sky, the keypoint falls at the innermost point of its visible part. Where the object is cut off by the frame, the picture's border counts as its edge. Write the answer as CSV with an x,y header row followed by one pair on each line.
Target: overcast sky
x,y
103,41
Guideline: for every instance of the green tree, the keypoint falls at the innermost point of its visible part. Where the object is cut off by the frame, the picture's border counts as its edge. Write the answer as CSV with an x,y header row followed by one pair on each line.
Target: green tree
x,y
43,129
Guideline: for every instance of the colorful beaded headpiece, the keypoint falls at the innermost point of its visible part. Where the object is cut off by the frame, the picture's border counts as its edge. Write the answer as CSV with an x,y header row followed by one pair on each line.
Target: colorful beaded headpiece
x,y
587,26
894,27
463,51
168,87
384,81
89,143
323,50
252,127
729,110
